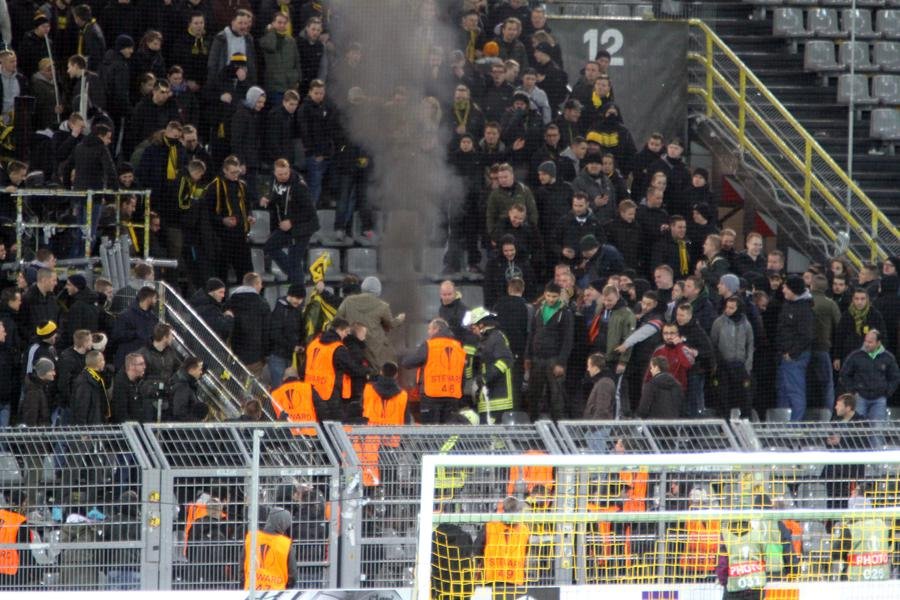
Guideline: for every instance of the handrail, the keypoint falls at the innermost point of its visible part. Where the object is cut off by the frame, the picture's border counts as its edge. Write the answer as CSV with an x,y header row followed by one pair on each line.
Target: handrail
x,y
879,221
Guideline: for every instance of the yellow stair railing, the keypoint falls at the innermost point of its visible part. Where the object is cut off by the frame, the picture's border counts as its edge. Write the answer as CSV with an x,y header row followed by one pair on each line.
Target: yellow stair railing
x,y
734,96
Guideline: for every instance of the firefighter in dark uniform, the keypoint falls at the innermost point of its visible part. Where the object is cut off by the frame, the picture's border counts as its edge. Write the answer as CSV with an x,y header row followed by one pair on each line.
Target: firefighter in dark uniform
x,y
494,378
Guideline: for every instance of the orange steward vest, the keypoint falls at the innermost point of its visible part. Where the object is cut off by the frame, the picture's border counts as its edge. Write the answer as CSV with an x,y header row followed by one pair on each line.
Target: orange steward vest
x,y
505,552
9,534
442,375
320,369
272,552
383,411
295,399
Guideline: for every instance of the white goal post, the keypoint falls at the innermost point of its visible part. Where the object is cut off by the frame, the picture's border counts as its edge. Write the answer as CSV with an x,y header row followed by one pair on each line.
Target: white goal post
x,y
564,499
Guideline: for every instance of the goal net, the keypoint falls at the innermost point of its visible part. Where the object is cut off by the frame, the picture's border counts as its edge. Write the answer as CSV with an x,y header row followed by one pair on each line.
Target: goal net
x,y
767,525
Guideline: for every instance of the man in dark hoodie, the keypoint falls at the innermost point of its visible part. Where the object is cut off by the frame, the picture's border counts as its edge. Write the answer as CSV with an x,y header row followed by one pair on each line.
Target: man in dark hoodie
x,y
614,138
678,178
293,220
84,312
209,303
186,403
793,343
276,556
384,401
699,344
501,270
116,76
285,332
661,396
441,360
329,367
246,133
547,354
134,327
251,323
93,163
151,114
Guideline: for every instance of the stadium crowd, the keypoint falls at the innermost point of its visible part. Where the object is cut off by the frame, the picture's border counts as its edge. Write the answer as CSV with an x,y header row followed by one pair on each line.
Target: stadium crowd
x,y
598,252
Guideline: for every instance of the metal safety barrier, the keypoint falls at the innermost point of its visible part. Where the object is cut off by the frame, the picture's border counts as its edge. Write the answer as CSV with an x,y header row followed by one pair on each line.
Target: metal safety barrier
x,y
647,437
813,182
206,487
382,466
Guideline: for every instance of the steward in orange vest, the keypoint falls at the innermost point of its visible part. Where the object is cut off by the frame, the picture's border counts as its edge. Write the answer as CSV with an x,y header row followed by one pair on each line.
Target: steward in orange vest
x,y
295,401
276,558
329,367
16,565
441,361
506,548
384,403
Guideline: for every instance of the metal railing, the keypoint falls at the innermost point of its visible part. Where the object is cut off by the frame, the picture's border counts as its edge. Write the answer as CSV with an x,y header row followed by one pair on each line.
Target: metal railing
x,y
226,379
28,217
766,130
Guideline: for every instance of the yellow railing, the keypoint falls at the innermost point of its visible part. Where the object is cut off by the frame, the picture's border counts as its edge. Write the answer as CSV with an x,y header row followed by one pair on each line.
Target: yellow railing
x,y
748,95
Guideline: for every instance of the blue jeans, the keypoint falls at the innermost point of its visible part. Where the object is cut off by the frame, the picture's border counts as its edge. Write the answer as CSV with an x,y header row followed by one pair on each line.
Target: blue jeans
x,y
315,172
4,415
791,382
694,402
820,365
873,409
289,254
277,365
352,198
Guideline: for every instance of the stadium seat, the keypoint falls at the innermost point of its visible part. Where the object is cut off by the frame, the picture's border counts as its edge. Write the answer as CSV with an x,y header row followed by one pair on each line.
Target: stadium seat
x,y
887,23
778,415
259,231
259,264
768,2
834,2
858,21
856,53
431,300
858,85
472,295
788,22
800,2
643,11
823,22
614,10
818,55
818,415
326,226
334,271
886,89
362,261
515,417
432,262
886,56
884,124
581,10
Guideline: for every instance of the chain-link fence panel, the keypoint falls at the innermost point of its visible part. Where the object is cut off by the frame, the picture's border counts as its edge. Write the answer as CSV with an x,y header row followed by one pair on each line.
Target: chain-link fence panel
x,y
646,437
206,491
382,477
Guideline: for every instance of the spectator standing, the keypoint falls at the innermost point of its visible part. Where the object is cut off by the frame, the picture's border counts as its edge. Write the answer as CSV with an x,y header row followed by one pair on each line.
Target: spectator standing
x,y
90,400
752,259
680,357
594,184
678,178
286,332
507,266
674,249
281,129
35,408
161,167
234,39
317,129
190,49
313,57
116,76
134,327
661,396
653,222
161,362
697,294
246,134
93,164
329,367
209,303
549,344
91,43
700,346
713,266
68,367
441,361
861,317
827,317
186,403
228,201
39,304
293,220
601,400
152,113
280,57
250,338
609,327
128,403
34,45
369,309
888,304
732,339
572,228
871,373
793,343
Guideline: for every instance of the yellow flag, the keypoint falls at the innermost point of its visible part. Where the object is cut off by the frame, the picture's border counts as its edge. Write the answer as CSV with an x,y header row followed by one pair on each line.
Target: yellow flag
x,y
320,267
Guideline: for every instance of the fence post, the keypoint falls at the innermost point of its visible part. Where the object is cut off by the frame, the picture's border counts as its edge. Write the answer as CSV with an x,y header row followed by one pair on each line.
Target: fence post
x,y
88,222
146,249
254,513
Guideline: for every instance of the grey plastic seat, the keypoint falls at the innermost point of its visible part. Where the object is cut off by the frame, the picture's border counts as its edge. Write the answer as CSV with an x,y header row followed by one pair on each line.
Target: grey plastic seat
x,y
886,89
858,21
581,10
886,55
362,261
823,22
259,231
399,262
614,10
834,2
258,259
858,85
884,124
432,262
818,55
887,23
334,271
765,2
472,295
778,415
326,225
801,2
788,22
643,11
856,53
818,415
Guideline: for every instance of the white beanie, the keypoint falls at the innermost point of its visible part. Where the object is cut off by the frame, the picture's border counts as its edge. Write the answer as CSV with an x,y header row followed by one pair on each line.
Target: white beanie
x,y
371,285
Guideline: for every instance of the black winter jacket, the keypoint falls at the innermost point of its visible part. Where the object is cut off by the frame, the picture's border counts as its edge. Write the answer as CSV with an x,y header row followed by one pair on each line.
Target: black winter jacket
x,y
285,329
84,313
93,164
186,403
127,401
37,308
291,200
251,325
661,398
90,404
869,377
796,326
213,313
68,367
133,329
551,340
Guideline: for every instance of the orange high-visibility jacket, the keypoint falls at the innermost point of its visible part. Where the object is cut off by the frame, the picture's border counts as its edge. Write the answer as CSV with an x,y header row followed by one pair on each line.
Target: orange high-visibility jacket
x,y
442,375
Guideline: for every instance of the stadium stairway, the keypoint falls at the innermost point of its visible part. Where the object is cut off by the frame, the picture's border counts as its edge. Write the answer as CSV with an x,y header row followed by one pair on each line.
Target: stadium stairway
x,y
810,97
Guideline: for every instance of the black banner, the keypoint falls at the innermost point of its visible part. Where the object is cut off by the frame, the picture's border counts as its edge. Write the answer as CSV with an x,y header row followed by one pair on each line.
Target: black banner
x,y
648,69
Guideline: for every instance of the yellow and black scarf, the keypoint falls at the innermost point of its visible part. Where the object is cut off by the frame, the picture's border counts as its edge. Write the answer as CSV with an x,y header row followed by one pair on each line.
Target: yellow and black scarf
x,y
189,192
199,46
286,11
96,377
172,159
462,118
81,35
222,200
